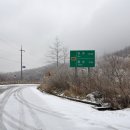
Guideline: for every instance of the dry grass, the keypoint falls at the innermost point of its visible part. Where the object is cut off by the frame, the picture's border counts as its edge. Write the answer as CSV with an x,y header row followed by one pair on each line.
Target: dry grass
x,y
75,91
110,78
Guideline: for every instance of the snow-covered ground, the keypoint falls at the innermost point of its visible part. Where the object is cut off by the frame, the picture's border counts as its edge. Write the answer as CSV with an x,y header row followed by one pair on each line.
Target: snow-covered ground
x,y
23,107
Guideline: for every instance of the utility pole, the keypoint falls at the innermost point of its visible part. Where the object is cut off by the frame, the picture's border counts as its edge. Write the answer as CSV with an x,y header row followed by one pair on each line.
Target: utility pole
x,y
22,62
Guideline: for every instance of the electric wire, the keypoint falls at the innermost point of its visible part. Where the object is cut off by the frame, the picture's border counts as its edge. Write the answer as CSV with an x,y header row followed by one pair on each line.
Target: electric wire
x,y
7,59
13,45
7,42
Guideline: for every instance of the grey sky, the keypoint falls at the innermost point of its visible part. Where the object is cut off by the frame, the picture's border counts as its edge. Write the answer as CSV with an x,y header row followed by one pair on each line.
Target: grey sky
x,y
103,25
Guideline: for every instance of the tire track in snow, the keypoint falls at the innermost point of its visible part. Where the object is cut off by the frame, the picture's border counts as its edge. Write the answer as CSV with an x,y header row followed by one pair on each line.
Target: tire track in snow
x,y
15,125
21,99
8,119
3,102
37,121
21,117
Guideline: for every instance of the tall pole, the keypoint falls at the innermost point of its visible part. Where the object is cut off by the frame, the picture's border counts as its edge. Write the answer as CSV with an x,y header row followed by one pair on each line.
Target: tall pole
x,y
21,63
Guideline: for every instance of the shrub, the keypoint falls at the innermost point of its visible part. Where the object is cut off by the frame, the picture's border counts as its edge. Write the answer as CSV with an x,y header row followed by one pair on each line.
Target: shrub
x,y
110,77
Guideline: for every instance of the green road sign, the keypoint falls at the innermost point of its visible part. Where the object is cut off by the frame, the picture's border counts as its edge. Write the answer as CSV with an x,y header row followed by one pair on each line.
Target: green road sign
x,y
82,58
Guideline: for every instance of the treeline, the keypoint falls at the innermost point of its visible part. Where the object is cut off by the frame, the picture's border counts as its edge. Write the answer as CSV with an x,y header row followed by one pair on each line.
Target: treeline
x,y
29,76
15,78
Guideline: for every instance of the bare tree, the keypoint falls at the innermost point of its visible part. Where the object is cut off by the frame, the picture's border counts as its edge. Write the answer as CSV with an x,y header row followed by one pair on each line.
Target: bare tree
x,y
115,73
65,54
55,53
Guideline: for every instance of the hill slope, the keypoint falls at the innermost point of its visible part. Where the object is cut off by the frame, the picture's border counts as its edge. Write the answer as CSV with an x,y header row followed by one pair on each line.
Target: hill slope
x,y
37,74
34,75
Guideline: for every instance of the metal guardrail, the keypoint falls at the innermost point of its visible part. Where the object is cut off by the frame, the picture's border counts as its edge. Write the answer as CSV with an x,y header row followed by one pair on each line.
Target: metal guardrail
x,y
96,106
19,82
78,100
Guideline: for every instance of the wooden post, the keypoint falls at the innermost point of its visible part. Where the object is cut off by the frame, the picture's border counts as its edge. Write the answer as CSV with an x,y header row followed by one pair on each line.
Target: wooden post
x,y
89,72
89,76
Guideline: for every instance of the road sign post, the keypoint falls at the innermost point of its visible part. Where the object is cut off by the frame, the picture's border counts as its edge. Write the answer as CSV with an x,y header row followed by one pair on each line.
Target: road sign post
x,y
82,58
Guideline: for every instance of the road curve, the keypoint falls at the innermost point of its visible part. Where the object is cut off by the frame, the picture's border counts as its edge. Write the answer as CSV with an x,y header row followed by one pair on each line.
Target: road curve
x,y
23,107
19,113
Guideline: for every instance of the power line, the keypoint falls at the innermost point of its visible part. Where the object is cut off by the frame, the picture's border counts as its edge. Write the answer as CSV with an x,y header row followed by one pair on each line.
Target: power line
x,y
8,43
11,60
7,59
8,52
12,45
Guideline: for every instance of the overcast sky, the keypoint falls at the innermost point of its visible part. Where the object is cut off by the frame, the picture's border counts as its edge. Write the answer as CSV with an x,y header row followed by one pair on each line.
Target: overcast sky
x,y
102,25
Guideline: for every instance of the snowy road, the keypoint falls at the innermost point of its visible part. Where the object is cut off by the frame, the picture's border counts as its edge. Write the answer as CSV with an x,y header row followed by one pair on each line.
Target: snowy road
x,y
23,107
